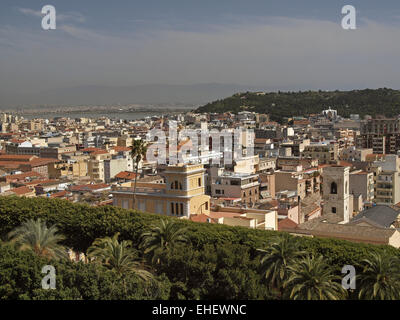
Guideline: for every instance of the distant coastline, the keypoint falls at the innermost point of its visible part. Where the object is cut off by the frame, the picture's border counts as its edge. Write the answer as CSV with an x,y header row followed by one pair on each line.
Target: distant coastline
x,y
130,112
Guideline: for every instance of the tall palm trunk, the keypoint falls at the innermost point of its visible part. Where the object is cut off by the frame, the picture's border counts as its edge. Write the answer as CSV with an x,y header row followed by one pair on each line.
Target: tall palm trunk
x,y
134,188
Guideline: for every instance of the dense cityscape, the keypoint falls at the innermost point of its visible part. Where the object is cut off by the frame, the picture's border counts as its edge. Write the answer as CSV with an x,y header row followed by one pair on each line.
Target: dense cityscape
x,y
322,175
199,159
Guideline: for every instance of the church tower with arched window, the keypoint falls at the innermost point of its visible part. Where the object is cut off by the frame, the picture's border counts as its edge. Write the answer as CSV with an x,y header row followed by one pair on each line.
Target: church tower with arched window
x,y
336,195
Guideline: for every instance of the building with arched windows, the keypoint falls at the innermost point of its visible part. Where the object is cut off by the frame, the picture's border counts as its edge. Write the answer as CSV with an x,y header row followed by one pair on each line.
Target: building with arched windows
x,y
181,195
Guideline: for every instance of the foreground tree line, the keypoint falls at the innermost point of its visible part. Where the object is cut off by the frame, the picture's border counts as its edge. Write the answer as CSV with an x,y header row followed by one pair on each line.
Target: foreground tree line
x,y
132,255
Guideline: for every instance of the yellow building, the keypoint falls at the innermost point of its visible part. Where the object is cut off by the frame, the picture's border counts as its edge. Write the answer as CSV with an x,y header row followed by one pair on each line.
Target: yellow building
x,y
181,195
96,164
78,168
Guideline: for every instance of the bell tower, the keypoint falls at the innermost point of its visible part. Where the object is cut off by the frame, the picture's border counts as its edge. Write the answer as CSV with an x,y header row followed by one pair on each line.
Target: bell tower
x,y
336,192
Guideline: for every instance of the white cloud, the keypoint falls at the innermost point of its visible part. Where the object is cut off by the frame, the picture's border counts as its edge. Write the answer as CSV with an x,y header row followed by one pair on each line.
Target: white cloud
x,y
64,17
30,12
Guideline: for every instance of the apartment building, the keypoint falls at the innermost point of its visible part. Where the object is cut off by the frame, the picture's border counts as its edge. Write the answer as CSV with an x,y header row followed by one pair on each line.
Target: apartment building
x,y
96,165
244,186
114,166
74,168
22,147
265,165
324,152
297,146
291,178
57,152
381,134
246,164
267,185
25,163
387,187
354,154
362,183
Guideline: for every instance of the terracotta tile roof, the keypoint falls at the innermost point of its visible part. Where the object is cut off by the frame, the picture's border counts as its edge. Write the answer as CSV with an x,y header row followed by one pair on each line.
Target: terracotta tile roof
x,y
91,149
121,148
42,161
17,157
59,194
21,190
286,224
10,165
15,140
301,122
374,156
99,152
23,176
345,164
202,218
128,175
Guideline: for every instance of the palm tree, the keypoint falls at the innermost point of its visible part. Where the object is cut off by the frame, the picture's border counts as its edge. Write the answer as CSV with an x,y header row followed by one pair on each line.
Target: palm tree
x,y
161,238
138,151
380,278
313,279
274,264
35,236
117,256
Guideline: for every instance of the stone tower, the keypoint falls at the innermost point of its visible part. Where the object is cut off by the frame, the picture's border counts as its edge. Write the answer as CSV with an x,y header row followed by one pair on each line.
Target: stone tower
x,y
336,191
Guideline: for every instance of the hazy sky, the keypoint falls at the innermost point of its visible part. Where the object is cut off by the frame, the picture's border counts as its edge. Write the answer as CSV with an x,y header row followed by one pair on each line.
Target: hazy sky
x,y
276,44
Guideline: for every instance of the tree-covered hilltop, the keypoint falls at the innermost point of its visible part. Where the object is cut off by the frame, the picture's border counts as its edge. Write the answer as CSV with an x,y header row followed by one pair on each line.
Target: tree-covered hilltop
x,y
287,104
199,260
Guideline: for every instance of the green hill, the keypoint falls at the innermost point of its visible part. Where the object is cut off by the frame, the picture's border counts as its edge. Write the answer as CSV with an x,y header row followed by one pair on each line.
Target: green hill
x,y
287,104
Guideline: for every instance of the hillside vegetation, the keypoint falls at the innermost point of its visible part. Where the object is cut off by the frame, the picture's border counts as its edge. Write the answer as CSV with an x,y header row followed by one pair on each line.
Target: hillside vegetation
x,y
287,104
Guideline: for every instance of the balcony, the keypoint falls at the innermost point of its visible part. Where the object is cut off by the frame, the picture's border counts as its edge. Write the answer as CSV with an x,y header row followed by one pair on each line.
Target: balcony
x,y
380,180
129,190
387,187
381,196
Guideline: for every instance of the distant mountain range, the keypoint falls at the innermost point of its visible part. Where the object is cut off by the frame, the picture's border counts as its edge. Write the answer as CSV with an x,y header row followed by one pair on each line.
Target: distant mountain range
x,y
195,94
